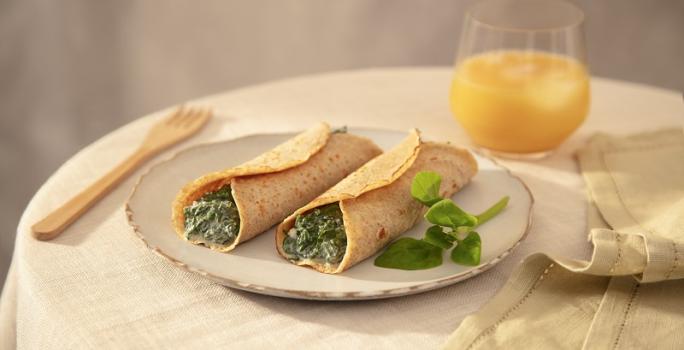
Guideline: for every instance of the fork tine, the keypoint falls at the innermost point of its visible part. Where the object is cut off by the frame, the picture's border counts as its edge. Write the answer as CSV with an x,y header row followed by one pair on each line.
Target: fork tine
x,y
208,112
187,119
203,113
204,116
198,117
176,115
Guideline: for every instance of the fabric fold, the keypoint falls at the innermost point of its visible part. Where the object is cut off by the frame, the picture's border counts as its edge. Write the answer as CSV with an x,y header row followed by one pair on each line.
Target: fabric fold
x,y
629,294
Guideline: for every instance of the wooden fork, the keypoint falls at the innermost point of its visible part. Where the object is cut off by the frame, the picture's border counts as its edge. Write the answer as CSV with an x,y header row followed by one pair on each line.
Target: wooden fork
x,y
180,125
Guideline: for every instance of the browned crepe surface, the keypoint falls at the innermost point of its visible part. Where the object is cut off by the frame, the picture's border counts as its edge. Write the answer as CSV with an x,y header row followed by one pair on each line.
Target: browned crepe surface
x,y
273,185
377,205
265,200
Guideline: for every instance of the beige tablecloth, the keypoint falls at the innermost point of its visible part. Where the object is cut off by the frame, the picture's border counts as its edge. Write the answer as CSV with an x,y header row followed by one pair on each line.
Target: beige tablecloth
x,y
98,286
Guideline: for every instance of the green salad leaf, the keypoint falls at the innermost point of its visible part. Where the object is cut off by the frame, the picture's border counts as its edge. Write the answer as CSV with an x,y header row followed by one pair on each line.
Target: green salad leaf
x,y
467,251
425,187
451,226
410,254
447,213
435,235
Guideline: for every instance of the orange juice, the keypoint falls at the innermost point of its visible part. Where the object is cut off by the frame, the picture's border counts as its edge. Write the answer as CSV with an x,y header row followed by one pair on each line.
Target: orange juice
x,y
520,101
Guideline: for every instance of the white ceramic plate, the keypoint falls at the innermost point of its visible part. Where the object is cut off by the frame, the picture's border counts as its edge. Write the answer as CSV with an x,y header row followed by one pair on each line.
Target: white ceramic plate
x,y
255,266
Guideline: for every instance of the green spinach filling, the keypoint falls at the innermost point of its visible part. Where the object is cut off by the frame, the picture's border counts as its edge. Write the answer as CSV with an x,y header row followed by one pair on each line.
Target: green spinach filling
x,y
340,130
318,235
213,217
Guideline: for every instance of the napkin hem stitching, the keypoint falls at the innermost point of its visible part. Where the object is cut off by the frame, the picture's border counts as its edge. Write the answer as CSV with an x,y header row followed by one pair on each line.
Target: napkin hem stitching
x,y
517,305
618,257
632,297
675,261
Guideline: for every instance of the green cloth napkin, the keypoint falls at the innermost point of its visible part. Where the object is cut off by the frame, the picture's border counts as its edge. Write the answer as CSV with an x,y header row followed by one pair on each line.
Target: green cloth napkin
x,y
631,294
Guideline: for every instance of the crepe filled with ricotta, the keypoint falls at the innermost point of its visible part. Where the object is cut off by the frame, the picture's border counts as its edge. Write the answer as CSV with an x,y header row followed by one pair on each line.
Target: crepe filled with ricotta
x,y
357,217
225,208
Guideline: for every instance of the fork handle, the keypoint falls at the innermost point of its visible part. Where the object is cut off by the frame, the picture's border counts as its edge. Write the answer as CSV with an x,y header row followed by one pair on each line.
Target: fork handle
x,y
59,219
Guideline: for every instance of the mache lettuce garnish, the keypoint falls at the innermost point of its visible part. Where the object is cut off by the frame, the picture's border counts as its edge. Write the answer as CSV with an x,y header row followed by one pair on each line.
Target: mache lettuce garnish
x,y
451,226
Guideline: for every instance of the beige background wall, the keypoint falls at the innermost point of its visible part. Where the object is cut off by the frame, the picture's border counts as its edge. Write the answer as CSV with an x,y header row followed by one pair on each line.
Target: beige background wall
x,y
72,70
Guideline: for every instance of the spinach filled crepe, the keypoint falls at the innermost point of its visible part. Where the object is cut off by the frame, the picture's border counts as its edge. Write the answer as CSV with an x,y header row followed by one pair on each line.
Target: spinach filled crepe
x,y
361,214
225,208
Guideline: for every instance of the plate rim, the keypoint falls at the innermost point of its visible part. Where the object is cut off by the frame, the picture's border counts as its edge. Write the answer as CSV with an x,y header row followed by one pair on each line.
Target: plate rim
x,y
311,295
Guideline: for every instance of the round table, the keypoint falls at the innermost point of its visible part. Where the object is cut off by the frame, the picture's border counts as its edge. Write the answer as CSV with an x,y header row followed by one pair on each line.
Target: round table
x,y
97,285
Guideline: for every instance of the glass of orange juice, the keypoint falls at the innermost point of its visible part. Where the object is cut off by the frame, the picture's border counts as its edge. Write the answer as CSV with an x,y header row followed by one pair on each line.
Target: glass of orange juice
x,y
521,84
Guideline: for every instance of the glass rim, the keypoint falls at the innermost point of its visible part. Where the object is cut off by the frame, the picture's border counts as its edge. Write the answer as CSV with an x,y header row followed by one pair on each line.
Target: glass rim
x,y
576,23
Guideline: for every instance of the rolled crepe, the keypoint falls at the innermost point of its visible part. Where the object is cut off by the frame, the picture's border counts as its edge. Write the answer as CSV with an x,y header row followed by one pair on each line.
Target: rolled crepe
x,y
276,183
376,202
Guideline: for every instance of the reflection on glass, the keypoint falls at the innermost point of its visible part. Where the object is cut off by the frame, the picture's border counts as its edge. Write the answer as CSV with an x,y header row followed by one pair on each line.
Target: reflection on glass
x,y
521,85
